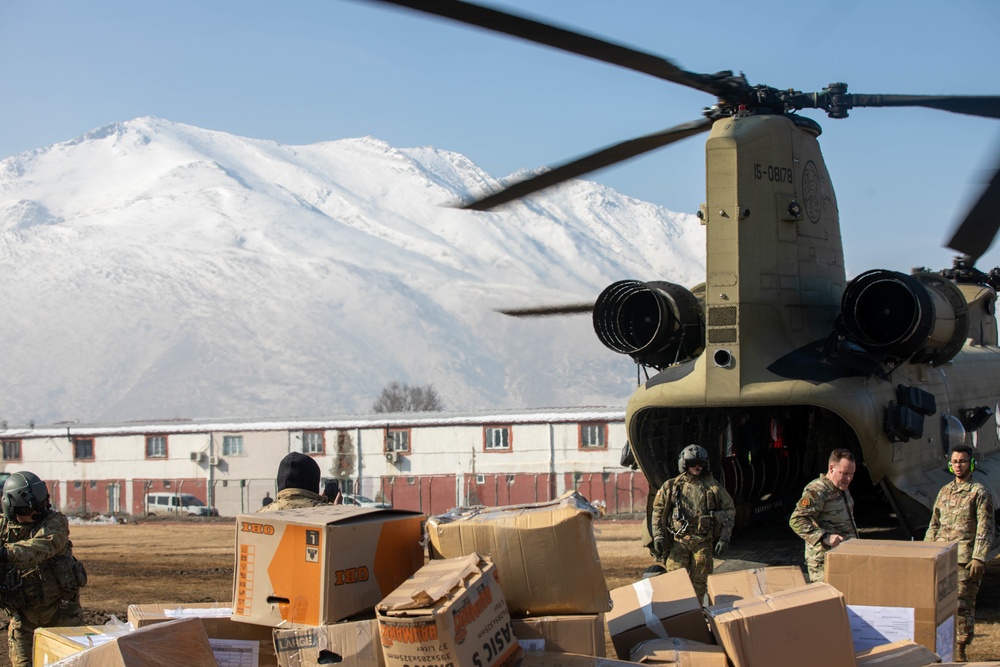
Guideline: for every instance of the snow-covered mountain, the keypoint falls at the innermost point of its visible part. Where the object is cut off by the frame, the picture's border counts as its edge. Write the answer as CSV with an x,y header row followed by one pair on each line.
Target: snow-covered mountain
x,y
157,270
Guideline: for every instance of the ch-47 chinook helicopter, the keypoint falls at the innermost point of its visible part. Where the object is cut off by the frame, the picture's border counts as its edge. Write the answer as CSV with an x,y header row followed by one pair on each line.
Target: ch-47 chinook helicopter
x,y
776,358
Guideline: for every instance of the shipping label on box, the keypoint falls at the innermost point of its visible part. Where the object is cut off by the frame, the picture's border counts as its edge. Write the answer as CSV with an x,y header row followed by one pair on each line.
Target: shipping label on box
x,y
778,630
659,607
899,575
319,565
726,587
451,613
531,545
582,634
349,644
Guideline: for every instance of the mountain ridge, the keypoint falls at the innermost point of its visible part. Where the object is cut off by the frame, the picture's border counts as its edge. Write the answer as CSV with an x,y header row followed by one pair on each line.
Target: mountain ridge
x,y
160,270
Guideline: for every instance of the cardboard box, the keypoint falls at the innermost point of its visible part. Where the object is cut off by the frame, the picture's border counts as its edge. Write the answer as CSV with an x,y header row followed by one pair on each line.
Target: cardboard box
x,y
779,630
898,590
905,653
668,598
553,659
451,612
583,634
680,653
319,565
215,617
180,642
728,587
531,546
54,644
348,644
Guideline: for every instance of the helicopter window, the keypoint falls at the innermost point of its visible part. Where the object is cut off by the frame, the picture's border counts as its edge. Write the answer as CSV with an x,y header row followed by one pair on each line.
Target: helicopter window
x,y
594,436
952,433
497,438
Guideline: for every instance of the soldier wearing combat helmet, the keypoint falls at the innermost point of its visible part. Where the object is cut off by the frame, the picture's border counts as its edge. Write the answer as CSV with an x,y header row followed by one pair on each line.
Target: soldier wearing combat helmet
x,y
964,512
692,514
824,516
41,581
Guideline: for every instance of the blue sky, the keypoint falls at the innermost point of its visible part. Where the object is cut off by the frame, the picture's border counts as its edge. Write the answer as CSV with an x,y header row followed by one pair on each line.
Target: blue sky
x,y
310,71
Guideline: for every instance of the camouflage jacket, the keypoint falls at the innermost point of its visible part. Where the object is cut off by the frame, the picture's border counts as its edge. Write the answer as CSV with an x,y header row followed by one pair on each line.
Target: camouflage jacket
x,y
693,510
42,555
963,511
823,509
289,499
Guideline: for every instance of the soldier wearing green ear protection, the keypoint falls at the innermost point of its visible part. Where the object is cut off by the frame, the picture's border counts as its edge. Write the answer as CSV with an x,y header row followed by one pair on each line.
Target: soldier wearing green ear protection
x,y
964,512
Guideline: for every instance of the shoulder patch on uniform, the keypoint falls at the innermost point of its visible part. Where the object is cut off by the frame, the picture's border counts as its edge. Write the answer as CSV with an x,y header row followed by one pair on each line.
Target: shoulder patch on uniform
x,y
804,502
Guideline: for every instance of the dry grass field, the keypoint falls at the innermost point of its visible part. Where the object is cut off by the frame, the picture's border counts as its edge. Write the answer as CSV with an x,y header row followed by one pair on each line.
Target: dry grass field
x,y
193,562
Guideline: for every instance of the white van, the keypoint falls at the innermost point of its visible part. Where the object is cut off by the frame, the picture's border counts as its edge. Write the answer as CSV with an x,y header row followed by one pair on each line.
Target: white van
x,y
165,503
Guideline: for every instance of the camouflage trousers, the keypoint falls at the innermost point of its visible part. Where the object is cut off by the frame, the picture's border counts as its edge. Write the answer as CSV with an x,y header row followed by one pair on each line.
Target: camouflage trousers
x,y
968,589
21,630
697,559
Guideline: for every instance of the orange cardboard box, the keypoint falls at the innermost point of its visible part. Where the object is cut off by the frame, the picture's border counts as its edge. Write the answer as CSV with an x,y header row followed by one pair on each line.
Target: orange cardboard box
x,y
319,565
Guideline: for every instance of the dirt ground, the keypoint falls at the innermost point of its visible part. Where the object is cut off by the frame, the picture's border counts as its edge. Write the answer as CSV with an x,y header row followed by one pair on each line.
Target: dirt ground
x,y
193,561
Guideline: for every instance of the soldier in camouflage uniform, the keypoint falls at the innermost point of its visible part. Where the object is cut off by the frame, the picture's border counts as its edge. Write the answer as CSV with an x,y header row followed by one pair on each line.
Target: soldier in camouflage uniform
x,y
41,578
824,516
964,512
298,484
691,513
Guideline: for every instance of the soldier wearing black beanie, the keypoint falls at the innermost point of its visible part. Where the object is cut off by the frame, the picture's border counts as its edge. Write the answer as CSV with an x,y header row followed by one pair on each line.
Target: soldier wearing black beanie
x,y
298,483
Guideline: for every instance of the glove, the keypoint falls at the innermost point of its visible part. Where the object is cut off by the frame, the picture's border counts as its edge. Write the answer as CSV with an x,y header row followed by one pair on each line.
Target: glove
x,y
720,547
976,568
658,546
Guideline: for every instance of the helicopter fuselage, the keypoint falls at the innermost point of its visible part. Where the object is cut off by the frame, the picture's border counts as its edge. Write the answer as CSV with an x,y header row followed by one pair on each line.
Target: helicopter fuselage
x,y
795,359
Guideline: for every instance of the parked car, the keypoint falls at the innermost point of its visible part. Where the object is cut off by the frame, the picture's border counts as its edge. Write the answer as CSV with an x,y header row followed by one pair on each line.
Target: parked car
x,y
165,503
363,501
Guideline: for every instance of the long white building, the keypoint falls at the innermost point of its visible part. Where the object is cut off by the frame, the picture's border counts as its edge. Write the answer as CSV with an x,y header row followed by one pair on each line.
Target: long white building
x,y
429,462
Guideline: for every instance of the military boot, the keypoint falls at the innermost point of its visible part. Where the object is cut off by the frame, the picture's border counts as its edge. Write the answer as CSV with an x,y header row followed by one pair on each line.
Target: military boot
x,y
961,653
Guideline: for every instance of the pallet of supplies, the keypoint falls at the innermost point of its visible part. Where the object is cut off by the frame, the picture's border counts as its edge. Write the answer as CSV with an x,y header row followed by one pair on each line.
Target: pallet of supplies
x,y
451,613
778,630
531,546
319,565
898,589
658,607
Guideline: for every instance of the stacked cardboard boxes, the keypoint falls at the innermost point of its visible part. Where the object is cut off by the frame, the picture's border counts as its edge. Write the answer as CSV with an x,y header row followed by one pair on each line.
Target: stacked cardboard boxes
x,y
898,590
728,587
659,607
451,612
548,565
319,565
778,630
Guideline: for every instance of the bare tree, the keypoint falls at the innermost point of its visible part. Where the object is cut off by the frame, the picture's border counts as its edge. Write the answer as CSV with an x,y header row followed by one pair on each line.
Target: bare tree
x,y
397,397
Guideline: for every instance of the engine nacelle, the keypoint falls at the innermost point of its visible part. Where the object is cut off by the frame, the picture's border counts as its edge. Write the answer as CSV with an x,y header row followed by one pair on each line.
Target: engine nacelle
x,y
656,323
921,317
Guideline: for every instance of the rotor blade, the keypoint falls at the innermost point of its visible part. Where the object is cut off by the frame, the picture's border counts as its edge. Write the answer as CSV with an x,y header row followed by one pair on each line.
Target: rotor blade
x,y
568,40
545,311
588,163
987,106
975,234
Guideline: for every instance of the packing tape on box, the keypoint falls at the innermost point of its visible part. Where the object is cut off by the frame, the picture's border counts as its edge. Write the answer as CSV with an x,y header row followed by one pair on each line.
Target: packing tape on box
x,y
644,593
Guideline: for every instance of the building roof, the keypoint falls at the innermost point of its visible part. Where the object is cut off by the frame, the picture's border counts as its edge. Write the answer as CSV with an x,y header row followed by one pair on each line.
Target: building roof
x,y
337,422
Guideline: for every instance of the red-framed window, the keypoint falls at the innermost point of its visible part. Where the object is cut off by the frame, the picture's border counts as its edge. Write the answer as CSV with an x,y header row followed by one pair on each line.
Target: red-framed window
x,y
593,435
